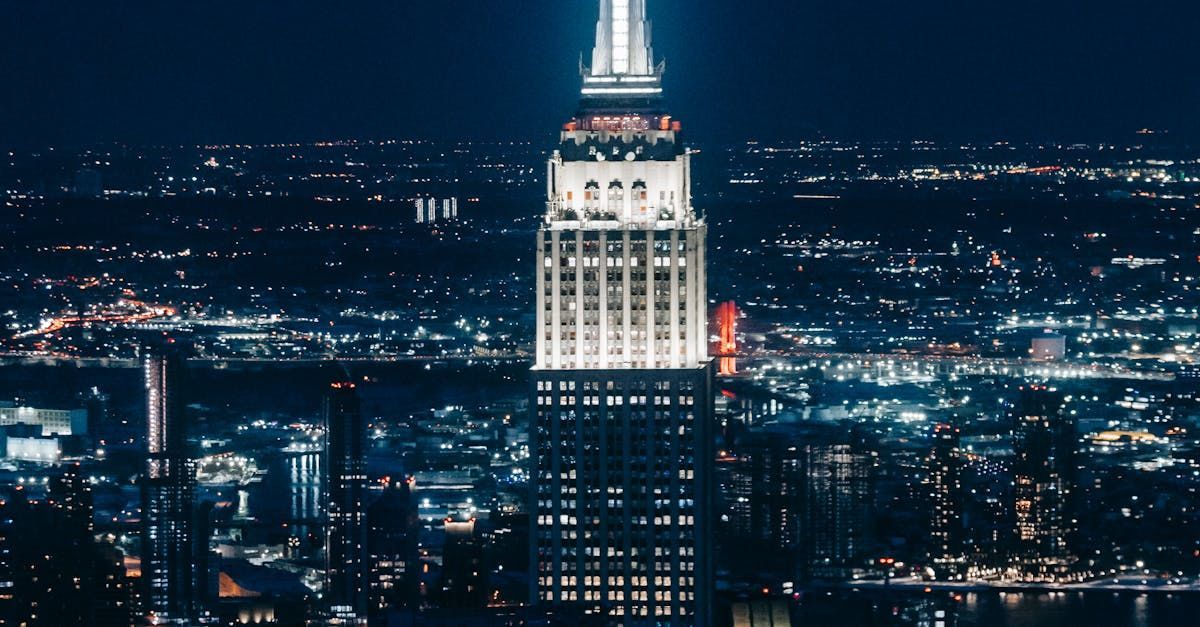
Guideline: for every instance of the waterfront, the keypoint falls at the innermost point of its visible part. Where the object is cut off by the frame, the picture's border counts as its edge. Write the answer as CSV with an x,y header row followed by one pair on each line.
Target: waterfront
x,y
999,609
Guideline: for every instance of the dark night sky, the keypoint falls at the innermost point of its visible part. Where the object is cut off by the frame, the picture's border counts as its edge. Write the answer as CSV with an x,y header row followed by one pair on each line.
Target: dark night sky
x,y
274,70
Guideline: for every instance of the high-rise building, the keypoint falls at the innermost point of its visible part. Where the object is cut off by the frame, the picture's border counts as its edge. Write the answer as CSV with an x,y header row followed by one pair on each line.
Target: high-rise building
x,y
392,540
99,415
987,514
168,494
112,592
71,493
433,210
346,503
463,575
947,543
50,568
1044,487
622,404
839,508
765,498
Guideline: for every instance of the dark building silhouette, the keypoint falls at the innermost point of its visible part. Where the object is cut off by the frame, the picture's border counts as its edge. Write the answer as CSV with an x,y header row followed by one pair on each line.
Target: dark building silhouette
x,y
1187,380
99,415
208,562
505,539
839,508
346,503
168,494
765,491
1044,473
393,526
464,576
799,503
113,592
987,514
52,573
944,484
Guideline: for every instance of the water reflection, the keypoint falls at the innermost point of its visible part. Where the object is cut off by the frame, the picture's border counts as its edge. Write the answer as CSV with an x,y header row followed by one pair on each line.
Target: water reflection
x,y
290,493
999,609
304,472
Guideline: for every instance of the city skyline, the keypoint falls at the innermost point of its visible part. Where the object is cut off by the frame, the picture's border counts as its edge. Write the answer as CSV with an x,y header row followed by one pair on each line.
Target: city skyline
x,y
616,312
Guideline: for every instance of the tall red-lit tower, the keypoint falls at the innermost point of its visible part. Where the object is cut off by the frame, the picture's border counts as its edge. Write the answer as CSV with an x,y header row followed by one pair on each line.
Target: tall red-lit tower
x,y
727,313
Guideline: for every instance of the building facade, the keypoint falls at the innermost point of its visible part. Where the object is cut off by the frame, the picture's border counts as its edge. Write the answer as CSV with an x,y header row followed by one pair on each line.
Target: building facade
x,y
766,493
346,569
393,528
52,572
168,499
1044,487
947,542
463,572
839,507
50,421
622,399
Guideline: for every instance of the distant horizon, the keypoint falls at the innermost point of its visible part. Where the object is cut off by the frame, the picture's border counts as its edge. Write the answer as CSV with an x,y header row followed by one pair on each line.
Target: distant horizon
x,y
1129,139
146,73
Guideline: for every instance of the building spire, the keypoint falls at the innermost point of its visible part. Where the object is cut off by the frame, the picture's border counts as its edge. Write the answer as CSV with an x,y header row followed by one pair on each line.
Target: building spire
x,y
622,40
623,59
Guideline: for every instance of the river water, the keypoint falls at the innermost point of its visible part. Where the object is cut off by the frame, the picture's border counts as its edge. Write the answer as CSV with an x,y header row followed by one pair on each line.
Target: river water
x,y
1000,609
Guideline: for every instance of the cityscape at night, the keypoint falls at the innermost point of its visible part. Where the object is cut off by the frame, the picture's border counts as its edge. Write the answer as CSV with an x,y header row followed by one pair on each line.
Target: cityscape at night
x,y
612,372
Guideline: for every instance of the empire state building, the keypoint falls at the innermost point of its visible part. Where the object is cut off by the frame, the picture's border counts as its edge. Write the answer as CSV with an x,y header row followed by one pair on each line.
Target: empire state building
x,y
622,400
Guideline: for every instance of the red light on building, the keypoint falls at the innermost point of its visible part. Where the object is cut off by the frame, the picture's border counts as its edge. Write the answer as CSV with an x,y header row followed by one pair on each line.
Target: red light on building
x,y
727,328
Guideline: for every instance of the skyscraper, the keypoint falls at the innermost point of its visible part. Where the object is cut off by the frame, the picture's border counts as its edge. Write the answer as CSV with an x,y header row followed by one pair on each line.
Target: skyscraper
x,y
168,543
766,500
1044,483
622,451
346,534
947,546
393,528
839,507
463,576
51,571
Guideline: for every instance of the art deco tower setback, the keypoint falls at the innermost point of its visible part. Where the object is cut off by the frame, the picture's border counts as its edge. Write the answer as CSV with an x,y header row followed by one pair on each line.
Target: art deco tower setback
x,y
622,379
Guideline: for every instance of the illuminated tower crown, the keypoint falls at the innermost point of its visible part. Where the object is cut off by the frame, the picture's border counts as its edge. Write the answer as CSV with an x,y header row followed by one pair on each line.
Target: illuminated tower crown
x,y
619,208
623,60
